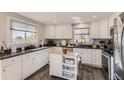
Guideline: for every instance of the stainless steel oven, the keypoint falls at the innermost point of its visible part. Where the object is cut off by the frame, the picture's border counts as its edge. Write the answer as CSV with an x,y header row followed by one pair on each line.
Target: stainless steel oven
x,y
106,65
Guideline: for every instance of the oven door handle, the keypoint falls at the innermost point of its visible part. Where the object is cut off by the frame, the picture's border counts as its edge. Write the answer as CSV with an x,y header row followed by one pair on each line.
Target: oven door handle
x,y
109,59
105,55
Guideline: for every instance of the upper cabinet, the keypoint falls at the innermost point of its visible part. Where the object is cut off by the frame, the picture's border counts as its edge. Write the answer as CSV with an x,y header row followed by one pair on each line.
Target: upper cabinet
x,y
50,31
104,28
67,31
100,28
59,31
95,29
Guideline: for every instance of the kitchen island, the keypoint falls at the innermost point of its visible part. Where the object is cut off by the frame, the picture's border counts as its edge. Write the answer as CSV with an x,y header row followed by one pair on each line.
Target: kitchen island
x,y
90,56
64,65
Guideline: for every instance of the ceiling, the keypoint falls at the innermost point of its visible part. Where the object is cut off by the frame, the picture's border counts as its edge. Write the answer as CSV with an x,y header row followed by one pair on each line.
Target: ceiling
x,y
65,17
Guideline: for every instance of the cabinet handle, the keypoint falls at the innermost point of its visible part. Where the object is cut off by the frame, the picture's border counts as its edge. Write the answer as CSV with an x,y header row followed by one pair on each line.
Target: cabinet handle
x,y
4,70
13,60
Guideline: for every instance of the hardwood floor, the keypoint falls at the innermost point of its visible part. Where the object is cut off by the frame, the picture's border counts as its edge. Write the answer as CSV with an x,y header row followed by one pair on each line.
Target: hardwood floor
x,y
85,73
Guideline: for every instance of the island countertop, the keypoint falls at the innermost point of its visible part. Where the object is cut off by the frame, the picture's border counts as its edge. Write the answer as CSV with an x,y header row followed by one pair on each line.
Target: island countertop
x,y
65,55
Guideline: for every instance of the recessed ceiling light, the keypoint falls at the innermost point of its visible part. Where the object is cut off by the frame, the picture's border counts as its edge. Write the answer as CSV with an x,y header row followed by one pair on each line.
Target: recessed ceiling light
x,y
76,18
94,16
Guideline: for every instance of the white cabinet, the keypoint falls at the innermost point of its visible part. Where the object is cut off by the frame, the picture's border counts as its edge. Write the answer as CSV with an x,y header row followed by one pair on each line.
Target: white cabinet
x,y
56,65
58,31
12,72
90,56
33,61
100,28
21,67
27,65
58,49
86,56
67,31
45,56
96,57
11,68
104,28
95,29
50,32
36,59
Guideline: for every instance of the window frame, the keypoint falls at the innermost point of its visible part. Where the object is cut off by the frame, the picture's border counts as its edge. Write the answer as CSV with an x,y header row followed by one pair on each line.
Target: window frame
x,y
80,34
26,23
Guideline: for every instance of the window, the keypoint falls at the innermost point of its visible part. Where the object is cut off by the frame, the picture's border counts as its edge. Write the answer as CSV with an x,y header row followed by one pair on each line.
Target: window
x,y
23,32
81,35
18,36
30,36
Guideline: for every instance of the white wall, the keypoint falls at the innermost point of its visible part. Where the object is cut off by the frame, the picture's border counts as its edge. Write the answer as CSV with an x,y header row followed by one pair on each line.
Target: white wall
x,y
4,23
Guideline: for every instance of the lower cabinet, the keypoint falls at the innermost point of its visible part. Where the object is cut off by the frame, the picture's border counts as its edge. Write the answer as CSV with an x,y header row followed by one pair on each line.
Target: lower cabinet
x,y
86,56
11,68
56,65
58,49
34,61
12,72
27,66
90,56
96,57
21,67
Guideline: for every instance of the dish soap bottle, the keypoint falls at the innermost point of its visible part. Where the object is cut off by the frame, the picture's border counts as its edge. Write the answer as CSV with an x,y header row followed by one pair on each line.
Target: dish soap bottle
x,y
93,40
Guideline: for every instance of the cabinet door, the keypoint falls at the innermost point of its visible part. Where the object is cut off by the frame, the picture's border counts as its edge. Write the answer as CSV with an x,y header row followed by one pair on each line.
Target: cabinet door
x,y
67,31
56,65
96,57
59,31
86,56
36,58
58,49
95,29
46,56
104,28
27,66
37,65
50,31
12,72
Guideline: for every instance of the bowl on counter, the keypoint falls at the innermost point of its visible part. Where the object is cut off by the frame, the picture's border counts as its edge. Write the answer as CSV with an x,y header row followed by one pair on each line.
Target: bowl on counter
x,y
64,51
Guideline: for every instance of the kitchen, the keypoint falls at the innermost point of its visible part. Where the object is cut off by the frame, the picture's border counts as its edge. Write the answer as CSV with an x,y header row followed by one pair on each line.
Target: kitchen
x,y
57,46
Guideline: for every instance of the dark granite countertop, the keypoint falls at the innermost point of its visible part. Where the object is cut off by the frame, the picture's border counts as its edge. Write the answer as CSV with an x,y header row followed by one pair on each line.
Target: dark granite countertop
x,y
8,55
85,46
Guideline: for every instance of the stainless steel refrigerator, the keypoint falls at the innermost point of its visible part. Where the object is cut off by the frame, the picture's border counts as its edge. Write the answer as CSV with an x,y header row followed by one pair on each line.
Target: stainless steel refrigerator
x,y
119,47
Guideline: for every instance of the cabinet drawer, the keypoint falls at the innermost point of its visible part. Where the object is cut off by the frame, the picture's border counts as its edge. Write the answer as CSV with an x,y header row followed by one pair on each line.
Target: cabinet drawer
x,y
74,49
77,49
86,50
10,61
26,56
96,51
96,62
96,56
